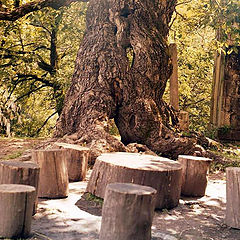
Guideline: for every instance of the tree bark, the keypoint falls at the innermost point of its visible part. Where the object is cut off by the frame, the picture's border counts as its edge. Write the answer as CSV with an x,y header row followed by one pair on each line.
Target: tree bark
x,y
230,101
128,211
159,173
53,180
18,172
194,175
77,160
16,204
232,218
121,71
225,101
174,94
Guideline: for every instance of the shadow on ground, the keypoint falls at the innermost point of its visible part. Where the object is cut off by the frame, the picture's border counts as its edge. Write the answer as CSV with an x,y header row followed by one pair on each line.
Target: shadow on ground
x,y
61,219
77,218
198,218
91,207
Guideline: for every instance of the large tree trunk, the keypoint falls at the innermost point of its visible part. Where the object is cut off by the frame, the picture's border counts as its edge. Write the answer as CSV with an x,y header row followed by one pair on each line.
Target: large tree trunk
x,y
230,100
121,71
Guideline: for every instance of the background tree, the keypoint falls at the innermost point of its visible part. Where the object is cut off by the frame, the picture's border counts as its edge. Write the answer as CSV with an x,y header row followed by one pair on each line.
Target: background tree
x,y
113,65
195,29
36,63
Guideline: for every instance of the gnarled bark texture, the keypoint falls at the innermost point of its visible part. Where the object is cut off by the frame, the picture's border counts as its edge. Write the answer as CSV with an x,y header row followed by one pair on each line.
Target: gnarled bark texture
x,y
230,105
121,71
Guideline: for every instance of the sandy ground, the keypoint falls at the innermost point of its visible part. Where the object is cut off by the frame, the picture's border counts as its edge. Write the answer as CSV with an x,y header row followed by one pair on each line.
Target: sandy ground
x,y
199,218
74,218
61,219
194,218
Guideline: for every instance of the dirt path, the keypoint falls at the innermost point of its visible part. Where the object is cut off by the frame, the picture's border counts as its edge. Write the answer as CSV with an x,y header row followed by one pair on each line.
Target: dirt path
x,y
193,219
201,218
74,218
13,148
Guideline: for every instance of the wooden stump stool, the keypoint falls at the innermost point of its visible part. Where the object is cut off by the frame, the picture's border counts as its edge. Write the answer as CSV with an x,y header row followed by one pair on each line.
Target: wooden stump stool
x,y
233,197
194,175
53,181
160,173
77,160
128,211
16,204
16,172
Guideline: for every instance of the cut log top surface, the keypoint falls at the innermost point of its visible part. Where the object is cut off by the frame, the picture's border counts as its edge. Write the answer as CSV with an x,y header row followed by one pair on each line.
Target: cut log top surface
x,y
194,158
15,188
130,188
235,169
139,161
20,164
52,150
72,146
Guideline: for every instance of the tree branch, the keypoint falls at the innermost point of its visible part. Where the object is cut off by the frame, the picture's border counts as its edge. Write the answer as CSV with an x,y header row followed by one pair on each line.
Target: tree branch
x,y
30,92
28,77
184,18
45,122
194,103
183,2
7,64
13,15
41,26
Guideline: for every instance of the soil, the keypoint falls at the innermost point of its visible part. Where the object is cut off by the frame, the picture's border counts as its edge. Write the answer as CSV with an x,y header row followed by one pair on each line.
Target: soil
x,y
79,216
13,148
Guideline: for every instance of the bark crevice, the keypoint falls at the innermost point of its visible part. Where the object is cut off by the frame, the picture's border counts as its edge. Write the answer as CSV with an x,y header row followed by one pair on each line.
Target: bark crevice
x,y
106,86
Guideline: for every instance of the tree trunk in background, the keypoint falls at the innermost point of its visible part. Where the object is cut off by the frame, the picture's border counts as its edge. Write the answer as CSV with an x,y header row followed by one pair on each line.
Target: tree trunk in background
x,y
174,94
121,71
225,112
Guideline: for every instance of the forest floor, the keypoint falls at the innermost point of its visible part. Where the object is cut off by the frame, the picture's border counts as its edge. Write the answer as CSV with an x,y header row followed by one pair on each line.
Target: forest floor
x,y
79,216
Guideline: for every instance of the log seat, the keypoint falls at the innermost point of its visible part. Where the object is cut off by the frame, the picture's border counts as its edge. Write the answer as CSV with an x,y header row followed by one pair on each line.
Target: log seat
x,y
77,160
18,172
162,174
194,175
16,204
53,180
128,211
232,218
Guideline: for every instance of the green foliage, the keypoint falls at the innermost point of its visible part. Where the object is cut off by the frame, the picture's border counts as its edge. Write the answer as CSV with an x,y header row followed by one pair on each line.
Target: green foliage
x,y
200,28
130,56
224,129
195,64
13,155
113,130
93,198
217,166
222,16
37,106
230,158
195,81
37,55
9,111
211,132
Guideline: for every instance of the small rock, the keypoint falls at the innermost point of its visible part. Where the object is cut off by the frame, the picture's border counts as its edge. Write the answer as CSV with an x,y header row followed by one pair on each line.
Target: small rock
x,y
162,236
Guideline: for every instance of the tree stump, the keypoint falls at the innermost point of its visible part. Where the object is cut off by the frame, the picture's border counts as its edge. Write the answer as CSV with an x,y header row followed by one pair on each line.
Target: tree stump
x,y
16,204
53,181
17,172
232,218
194,175
183,118
77,160
160,173
128,211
